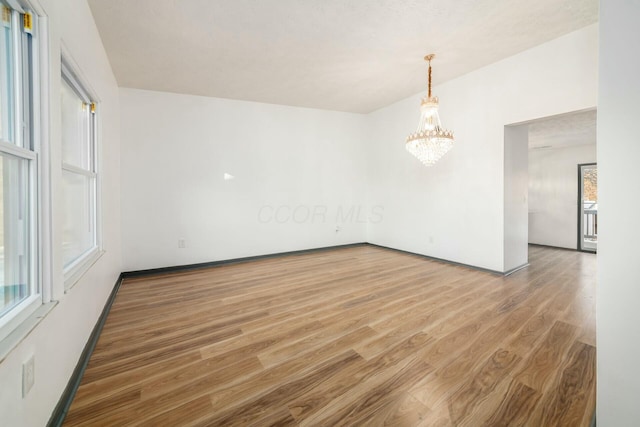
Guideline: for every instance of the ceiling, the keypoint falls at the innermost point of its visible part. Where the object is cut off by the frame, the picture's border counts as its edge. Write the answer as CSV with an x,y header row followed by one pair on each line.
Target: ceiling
x,y
563,131
344,55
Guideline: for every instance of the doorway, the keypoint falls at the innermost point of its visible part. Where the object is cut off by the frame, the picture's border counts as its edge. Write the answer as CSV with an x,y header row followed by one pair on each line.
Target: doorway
x,y
557,145
588,207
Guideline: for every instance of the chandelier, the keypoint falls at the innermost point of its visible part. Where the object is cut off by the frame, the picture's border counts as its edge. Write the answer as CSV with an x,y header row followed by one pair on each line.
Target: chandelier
x,y
430,141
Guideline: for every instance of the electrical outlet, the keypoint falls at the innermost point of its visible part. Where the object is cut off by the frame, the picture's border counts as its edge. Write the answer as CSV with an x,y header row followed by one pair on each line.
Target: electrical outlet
x,y
182,243
28,375
431,239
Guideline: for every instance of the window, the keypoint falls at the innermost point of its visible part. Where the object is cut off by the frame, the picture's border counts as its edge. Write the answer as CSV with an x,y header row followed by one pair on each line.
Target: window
x,y
79,176
20,291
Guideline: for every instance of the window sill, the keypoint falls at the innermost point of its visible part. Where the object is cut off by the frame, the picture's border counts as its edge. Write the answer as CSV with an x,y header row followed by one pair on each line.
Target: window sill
x,y
18,335
75,273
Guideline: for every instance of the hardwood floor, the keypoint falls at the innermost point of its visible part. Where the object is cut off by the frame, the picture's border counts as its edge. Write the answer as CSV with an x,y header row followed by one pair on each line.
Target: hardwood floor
x,y
352,336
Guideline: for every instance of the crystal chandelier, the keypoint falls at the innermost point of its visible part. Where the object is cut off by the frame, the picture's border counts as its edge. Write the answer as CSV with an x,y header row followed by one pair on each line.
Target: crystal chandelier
x,y
430,141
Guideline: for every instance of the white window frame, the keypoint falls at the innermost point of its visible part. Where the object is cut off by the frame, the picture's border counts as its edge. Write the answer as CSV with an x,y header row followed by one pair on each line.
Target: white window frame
x,y
26,146
70,72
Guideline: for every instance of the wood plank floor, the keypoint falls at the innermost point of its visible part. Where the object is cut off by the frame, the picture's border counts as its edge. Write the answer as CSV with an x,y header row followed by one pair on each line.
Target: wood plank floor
x,y
352,336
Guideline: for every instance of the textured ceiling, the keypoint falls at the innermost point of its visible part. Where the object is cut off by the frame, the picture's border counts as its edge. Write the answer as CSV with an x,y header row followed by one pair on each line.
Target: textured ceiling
x,y
345,55
563,131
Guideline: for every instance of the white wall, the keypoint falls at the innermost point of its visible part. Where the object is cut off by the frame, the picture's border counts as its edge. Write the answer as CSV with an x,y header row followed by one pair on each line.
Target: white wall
x,y
177,148
454,210
60,337
516,186
618,293
553,194
299,173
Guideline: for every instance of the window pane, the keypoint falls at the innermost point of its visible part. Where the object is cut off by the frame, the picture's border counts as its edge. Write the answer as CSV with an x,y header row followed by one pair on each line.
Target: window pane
x,y
6,77
75,128
14,233
78,234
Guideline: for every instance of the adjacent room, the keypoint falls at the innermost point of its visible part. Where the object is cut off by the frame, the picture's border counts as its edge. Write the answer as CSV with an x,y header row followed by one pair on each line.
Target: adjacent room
x,y
556,146
319,213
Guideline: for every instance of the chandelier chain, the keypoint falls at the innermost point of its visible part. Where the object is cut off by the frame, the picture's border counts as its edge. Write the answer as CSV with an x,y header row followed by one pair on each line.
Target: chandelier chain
x,y
429,78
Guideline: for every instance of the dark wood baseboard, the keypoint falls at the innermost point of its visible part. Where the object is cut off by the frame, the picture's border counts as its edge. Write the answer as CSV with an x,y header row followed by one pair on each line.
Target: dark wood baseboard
x,y
198,266
516,269
564,249
61,409
446,261
553,247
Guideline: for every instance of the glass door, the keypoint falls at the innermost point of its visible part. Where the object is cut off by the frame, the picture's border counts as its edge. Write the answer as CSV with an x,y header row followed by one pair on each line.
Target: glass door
x,y
588,207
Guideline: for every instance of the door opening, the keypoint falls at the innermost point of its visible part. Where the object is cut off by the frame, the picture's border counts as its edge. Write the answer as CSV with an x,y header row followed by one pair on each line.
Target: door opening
x,y
588,207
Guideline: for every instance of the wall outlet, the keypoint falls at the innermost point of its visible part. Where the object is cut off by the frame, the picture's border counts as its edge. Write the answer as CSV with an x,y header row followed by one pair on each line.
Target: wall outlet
x,y
431,239
182,243
28,375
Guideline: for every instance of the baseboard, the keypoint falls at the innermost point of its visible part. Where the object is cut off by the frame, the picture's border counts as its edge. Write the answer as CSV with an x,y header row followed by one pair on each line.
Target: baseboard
x,y
552,247
188,267
446,261
61,409
564,249
515,269
198,266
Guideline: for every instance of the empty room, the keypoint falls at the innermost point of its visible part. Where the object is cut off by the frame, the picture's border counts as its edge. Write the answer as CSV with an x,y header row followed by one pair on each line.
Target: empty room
x,y
319,213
